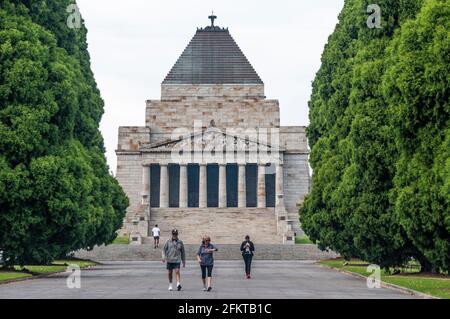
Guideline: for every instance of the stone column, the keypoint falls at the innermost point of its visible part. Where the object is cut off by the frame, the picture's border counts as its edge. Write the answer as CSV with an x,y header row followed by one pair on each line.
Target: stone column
x,y
164,187
222,186
279,190
183,186
145,185
242,192
203,187
261,191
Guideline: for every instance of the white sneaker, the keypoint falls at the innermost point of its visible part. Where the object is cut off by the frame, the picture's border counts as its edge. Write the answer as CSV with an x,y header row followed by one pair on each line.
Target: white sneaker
x,y
204,289
170,288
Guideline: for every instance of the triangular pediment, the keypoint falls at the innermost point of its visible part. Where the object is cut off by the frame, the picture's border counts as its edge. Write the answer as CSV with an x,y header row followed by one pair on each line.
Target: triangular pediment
x,y
213,140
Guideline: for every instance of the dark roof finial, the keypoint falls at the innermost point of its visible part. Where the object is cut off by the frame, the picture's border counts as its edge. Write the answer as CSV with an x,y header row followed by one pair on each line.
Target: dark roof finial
x,y
212,17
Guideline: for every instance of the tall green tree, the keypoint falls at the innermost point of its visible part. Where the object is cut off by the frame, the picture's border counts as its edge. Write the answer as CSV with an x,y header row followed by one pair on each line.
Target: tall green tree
x,y
353,150
417,88
380,123
56,193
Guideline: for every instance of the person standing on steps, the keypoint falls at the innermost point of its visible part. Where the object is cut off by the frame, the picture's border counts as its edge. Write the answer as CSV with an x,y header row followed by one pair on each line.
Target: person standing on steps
x,y
156,232
247,249
174,254
206,260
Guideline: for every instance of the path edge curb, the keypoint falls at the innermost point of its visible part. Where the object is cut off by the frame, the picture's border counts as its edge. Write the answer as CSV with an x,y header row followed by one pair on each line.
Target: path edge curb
x,y
383,284
6,282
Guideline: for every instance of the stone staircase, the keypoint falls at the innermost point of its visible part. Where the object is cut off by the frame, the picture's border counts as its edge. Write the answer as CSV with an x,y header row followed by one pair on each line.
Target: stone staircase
x,y
146,252
136,222
223,225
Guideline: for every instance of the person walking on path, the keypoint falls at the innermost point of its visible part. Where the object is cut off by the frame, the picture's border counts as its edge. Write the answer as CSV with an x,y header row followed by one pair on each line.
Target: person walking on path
x,y
247,249
156,232
174,254
206,259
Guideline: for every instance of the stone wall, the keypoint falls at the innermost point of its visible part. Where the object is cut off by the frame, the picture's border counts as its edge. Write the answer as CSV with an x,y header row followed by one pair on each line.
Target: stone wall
x,y
165,117
129,176
293,139
296,178
211,91
131,137
296,185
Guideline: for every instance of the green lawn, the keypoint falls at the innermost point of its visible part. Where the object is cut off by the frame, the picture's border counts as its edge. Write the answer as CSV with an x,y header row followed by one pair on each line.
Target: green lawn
x,y
79,262
10,275
434,285
125,240
38,270
302,240
56,266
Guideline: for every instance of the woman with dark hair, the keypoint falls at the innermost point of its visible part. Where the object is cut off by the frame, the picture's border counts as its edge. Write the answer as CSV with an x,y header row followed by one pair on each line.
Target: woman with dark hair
x,y
206,259
247,249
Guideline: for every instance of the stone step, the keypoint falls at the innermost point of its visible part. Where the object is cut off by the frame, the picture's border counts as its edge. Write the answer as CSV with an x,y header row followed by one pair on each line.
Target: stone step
x,y
226,252
224,226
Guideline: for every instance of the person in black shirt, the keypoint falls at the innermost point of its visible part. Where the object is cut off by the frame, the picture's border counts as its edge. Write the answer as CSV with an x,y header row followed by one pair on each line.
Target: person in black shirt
x,y
247,249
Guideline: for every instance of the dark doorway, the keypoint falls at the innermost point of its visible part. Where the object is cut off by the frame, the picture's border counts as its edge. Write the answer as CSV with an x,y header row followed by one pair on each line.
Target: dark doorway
x,y
232,185
193,172
174,185
251,179
270,186
155,173
212,175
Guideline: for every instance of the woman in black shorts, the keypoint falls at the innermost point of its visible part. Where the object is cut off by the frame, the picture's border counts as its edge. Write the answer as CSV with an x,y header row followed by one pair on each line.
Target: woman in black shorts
x,y
206,259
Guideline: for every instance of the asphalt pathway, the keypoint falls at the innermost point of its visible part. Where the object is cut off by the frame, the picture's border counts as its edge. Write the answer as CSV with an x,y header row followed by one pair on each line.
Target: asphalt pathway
x,y
148,280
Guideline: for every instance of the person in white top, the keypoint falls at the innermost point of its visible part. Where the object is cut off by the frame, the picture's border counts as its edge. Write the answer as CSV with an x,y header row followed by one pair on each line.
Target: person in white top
x,y
156,232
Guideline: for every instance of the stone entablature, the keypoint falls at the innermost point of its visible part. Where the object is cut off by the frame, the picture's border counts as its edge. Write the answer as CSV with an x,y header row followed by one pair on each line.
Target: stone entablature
x,y
216,146
293,139
132,137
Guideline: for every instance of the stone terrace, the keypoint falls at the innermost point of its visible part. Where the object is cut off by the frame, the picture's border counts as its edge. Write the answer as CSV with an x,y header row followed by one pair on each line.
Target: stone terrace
x,y
226,252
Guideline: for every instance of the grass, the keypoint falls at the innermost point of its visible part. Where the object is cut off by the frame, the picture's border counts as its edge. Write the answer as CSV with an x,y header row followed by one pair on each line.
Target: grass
x,y
39,270
81,263
303,240
11,275
411,278
34,270
125,240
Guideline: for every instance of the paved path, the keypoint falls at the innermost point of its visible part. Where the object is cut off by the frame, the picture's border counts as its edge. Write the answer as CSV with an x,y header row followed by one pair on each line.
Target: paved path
x,y
147,280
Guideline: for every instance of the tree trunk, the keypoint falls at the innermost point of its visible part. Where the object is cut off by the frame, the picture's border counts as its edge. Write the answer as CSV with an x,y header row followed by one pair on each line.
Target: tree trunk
x,y
425,265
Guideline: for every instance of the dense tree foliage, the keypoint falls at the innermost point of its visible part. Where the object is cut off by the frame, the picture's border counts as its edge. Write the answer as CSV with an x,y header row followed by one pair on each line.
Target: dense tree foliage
x,y
417,88
56,194
379,118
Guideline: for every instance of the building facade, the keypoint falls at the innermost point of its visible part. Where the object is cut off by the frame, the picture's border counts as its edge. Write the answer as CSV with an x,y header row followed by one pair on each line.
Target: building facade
x,y
212,157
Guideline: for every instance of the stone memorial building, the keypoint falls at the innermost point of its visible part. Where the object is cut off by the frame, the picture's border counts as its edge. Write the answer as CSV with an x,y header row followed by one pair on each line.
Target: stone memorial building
x,y
212,157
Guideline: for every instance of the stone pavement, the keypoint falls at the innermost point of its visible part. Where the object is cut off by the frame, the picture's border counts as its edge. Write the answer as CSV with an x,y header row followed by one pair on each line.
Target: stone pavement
x,y
147,280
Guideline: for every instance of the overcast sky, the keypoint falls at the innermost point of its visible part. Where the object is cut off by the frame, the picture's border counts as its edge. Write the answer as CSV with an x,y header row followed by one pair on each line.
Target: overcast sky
x,y
133,44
